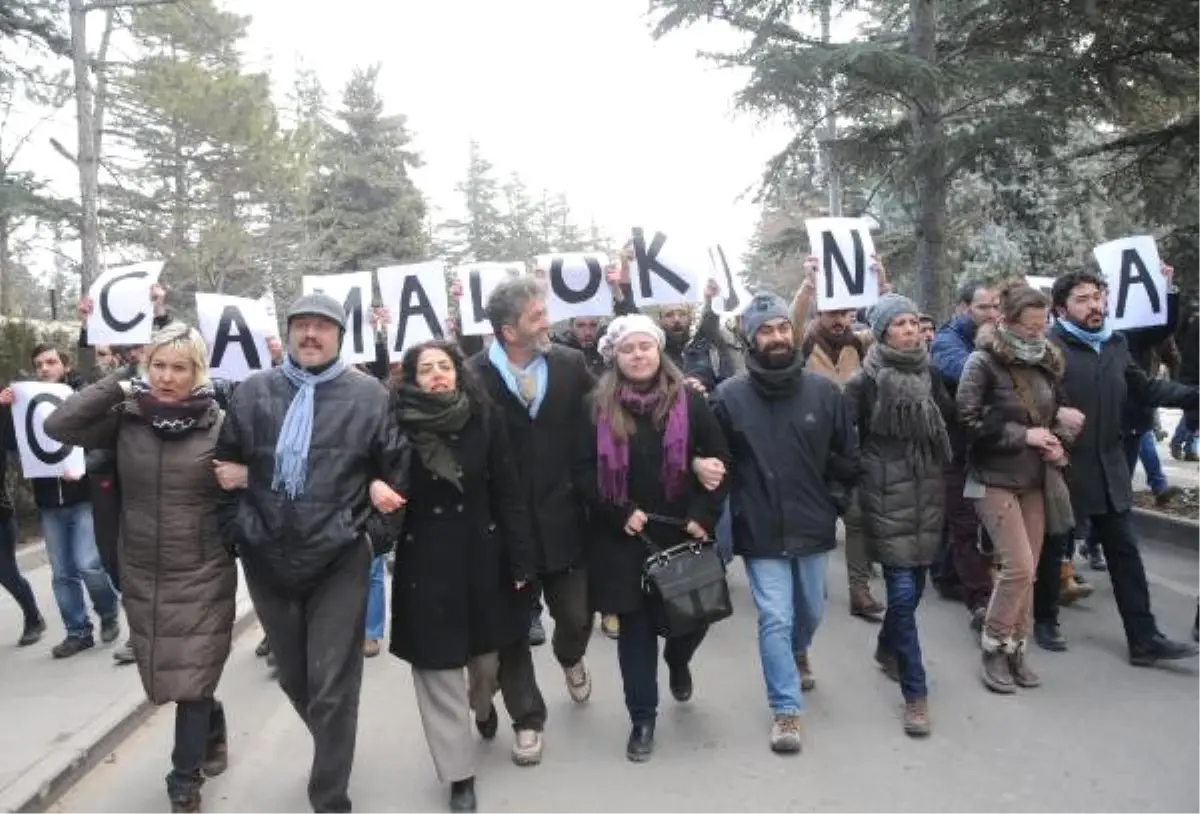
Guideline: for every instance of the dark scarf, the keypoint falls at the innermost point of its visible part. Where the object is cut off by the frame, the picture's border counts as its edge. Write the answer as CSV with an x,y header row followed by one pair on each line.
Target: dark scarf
x,y
833,344
171,419
774,382
428,417
612,456
904,405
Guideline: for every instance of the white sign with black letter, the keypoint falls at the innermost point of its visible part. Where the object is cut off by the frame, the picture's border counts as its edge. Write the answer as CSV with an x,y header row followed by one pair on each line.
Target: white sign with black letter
x,y
353,290
235,330
575,285
1137,289
733,295
665,274
478,280
846,276
268,301
122,313
41,455
417,302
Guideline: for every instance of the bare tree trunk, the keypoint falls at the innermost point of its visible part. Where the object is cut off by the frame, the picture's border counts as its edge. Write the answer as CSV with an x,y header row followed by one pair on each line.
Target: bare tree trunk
x,y
86,157
833,177
5,265
933,288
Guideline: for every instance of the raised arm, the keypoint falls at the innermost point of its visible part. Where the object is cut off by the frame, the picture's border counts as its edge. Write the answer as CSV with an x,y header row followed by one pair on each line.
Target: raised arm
x,y
89,418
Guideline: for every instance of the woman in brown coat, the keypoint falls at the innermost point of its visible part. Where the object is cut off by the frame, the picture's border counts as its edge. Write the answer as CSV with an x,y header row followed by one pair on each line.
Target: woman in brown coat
x,y
179,583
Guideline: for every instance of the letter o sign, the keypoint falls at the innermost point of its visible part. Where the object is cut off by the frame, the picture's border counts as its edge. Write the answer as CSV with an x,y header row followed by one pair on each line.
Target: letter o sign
x,y
50,457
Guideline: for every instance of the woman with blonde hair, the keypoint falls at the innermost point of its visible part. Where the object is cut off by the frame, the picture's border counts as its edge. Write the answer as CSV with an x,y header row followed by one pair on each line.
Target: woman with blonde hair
x,y
180,583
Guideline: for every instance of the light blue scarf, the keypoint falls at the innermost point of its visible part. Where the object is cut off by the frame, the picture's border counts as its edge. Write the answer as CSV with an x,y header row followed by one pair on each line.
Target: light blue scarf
x,y
537,368
1093,339
291,450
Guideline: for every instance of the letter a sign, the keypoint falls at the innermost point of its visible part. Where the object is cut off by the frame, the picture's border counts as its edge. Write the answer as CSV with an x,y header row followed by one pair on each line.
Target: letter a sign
x,y
1137,289
846,277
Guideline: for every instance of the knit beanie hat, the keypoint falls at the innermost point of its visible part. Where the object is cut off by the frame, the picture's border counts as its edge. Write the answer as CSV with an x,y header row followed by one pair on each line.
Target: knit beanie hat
x,y
625,326
886,309
763,308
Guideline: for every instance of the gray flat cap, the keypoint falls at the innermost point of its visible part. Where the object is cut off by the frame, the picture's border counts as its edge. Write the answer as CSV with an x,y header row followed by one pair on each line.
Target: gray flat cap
x,y
318,305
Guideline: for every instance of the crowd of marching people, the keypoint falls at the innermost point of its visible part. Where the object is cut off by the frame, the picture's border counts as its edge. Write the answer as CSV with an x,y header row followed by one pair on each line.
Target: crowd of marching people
x,y
538,468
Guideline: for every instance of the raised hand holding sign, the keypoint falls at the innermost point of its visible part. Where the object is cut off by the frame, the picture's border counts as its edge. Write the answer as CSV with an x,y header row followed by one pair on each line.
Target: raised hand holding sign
x,y
41,455
121,310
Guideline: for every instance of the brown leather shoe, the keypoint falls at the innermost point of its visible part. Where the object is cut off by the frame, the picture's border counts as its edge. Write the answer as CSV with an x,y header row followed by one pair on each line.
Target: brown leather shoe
x,y
865,606
371,648
916,718
1071,591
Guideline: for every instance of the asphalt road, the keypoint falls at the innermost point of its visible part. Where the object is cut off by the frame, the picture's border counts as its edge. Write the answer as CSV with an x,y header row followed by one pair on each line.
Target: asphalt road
x,y
1099,735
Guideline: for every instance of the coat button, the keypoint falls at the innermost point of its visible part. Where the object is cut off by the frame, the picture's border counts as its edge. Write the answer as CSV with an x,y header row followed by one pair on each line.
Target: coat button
x,y
459,508
437,509
435,477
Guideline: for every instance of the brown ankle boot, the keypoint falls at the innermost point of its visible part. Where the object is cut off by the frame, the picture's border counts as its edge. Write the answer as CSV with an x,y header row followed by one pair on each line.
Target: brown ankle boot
x,y
1022,675
916,718
1070,590
865,606
807,680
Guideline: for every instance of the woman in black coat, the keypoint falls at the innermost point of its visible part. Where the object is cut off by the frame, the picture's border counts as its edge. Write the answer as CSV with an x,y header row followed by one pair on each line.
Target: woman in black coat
x,y
462,561
635,467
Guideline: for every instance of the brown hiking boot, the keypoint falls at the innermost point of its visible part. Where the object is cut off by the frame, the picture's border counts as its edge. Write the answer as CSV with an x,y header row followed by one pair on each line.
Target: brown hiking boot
x,y
865,606
1072,590
916,718
785,735
371,648
807,680
887,662
997,674
1022,676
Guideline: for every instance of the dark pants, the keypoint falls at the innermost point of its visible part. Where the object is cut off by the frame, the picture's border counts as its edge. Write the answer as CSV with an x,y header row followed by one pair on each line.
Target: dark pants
x,y
565,593
519,687
973,569
898,635
637,653
1114,531
106,519
197,725
317,639
1048,584
10,575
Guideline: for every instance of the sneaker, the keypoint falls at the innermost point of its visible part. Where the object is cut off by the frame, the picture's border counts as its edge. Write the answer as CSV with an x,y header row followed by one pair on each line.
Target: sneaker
x,y
527,748
1018,665
537,633
997,673
916,718
610,625
579,682
124,654
1096,559
371,648
785,735
808,681
110,629
32,632
72,645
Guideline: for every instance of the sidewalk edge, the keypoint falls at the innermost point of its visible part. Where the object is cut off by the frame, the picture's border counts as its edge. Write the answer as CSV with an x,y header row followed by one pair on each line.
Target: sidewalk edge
x,y
48,779
1161,527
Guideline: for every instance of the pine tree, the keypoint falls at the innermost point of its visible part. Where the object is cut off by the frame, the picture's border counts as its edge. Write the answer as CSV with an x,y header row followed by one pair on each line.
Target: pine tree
x,y
479,235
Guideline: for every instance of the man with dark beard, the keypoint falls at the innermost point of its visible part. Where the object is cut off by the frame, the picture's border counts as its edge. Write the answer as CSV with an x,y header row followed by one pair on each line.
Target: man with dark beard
x,y
794,463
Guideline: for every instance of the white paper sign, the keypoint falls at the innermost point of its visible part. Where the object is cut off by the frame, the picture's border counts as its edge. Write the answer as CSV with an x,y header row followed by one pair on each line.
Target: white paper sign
x,y
668,272
1137,289
268,301
236,331
122,312
1046,286
418,304
575,285
734,295
846,277
353,290
478,280
41,455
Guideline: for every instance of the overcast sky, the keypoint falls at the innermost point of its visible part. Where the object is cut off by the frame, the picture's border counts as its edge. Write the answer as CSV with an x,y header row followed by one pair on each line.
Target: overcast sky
x,y
574,95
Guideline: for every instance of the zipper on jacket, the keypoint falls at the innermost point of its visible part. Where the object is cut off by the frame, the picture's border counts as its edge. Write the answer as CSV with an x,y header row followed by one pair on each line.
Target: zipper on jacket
x,y
60,494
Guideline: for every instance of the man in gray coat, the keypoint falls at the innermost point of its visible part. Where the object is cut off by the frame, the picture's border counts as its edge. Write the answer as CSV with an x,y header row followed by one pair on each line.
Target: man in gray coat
x,y
307,447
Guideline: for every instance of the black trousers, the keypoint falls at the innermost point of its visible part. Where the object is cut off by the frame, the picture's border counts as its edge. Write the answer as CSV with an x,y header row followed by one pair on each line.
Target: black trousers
x,y
1114,531
565,594
198,724
106,520
317,639
1048,585
637,653
519,687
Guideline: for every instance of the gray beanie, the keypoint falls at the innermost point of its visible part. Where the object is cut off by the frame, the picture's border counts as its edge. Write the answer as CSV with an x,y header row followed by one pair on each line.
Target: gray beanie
x,y
887,308
764,307
318,305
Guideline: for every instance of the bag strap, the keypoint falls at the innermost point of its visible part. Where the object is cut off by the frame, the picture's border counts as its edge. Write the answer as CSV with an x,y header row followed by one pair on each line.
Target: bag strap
x,y
1025,393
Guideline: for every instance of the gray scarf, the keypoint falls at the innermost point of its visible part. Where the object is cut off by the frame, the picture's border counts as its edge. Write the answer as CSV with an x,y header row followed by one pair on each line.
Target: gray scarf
x,y
1029,351
904,405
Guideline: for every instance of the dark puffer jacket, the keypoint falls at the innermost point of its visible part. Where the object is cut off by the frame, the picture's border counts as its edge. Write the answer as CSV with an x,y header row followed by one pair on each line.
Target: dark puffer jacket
x,y
287,542
178,583
903,503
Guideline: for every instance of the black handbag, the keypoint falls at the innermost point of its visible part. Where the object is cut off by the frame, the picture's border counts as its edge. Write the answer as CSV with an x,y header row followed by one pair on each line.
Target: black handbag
x,y
686,586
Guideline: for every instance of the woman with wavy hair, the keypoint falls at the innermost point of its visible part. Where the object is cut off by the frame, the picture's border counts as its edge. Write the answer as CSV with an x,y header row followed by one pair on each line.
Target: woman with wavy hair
x,y
179,583
1011,402
635,469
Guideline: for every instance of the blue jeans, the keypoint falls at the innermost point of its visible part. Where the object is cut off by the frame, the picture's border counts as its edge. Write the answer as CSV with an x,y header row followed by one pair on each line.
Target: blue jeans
x,y
75,563
899,632
789,594
724,534
377,600
1184,439
1142,447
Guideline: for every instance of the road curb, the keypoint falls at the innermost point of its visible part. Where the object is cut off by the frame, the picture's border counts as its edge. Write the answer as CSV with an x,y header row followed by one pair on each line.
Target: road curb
x,y
1165,528
71,759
